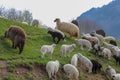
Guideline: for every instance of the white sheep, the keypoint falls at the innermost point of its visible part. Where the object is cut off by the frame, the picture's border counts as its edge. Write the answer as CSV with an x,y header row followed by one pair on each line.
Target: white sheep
x,y
107,45
67,49
66,27
84,60
116,76
110,71
72,71
74,60
100,37
52,68
84,42
109,38
115,50
47,49
106,52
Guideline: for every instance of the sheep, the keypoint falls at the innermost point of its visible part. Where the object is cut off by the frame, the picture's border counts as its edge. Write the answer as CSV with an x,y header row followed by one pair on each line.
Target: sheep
x,y
106,53
101,32
96,66
113,42
66,49
110,71
36,23
56,33
17,35
74,60
100,37
107,45
72,71
52,68
69,28
93,40
109,38
97,48
116,76
84,60
84,42
115,50
47,49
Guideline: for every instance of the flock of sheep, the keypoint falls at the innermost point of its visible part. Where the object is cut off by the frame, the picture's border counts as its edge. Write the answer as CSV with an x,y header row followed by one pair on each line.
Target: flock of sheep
x,y
90,41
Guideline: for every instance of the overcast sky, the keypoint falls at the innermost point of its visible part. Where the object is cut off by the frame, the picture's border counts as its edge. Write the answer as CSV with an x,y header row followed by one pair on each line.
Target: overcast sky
x,y
47,10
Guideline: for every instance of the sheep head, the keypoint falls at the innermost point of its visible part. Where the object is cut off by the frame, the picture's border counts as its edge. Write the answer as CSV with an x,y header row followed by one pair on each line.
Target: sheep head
x,y
56,20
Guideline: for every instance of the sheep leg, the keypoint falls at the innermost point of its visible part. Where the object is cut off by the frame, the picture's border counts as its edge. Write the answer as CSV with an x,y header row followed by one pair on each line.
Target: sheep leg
x,y
13,45
50,55
81,47
54,39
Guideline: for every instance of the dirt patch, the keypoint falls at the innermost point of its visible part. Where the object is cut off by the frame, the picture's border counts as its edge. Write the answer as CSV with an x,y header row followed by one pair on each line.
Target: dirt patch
x,y
3,68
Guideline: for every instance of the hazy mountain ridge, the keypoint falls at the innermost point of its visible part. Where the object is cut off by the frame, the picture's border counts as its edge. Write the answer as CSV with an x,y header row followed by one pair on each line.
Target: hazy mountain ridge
x,y
108,17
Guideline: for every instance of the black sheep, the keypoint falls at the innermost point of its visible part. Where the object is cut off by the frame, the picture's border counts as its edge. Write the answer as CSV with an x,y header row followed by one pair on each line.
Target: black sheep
x,y
113,42
96,66
117,59
55,34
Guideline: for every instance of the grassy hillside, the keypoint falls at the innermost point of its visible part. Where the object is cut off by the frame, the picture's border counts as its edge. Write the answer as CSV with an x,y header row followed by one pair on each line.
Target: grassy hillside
x,y
29,65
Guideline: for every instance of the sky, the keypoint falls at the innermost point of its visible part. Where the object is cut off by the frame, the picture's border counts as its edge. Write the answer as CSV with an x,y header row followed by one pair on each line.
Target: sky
x,y
47,10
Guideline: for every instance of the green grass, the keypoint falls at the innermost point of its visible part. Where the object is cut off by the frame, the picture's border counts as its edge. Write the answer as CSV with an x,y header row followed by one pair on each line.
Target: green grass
x,y
36,37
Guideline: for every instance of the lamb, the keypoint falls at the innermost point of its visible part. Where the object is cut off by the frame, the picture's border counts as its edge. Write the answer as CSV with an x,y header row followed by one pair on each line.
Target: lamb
x,y
106,53
47,49
110,71
69,28
67,49
84,60
84,42
72,71
74,60
56,33
116,76
52,68
17,35
100,37
96,66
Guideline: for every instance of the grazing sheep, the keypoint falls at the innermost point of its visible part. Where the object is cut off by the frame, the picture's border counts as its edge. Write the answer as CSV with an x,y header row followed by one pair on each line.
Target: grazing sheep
x,y
100,37
18,37
56,33
116,76
84,42
67,49
69,28
47,49
52,68
96,47
36,23
107,45
96,66
109,38
74,60
110,71
101,32
72,71
93,40
84,60
106,53
113,42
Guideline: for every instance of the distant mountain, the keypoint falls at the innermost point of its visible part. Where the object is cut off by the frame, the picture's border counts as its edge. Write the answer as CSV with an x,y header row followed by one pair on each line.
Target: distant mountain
x,y
107,17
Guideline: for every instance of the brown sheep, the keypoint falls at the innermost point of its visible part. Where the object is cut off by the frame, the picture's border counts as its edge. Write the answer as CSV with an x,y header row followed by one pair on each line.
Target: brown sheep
x,y
18,37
